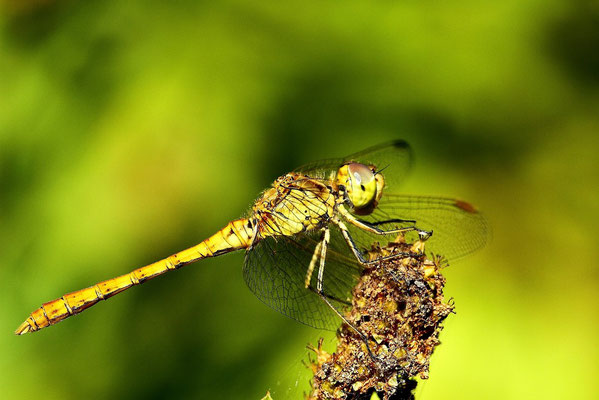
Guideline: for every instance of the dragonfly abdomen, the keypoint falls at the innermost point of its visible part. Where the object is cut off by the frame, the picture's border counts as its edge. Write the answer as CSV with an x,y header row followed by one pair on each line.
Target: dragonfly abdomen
x,y
236,235
73,303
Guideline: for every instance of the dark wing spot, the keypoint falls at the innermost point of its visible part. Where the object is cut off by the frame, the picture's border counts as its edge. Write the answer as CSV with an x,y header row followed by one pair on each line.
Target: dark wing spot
x,y
362,187
464,205
400,144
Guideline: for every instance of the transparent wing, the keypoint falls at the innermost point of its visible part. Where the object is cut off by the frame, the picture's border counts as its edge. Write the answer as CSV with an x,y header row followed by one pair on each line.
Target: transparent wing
x,y
393,158
275,270
458,228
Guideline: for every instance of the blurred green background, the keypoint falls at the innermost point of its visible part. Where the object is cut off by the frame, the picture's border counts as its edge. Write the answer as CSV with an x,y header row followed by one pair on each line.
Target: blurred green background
x,y
131,130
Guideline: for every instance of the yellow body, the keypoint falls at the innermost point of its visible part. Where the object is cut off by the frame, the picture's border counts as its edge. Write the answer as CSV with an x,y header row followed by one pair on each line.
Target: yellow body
x,y
332,193
234,236
294,204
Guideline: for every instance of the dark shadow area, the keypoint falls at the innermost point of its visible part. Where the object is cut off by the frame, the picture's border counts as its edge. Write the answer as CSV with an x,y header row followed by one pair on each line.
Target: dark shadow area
x,y
332,99
31,24
573,41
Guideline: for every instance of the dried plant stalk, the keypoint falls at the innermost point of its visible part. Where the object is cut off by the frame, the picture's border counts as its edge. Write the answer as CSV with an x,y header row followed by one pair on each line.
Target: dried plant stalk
x,y
398,304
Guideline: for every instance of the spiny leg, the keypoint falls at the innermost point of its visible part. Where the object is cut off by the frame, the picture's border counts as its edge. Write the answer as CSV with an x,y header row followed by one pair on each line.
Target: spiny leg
x,y
424,235
320,290
372,226
389,221
328,296
315,257
358,253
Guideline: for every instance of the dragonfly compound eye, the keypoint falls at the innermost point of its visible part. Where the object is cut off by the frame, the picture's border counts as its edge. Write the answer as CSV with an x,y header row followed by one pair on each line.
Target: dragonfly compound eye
x,y
360,184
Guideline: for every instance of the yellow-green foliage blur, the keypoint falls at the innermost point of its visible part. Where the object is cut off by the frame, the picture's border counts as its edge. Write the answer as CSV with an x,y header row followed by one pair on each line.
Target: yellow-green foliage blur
x,y
133,129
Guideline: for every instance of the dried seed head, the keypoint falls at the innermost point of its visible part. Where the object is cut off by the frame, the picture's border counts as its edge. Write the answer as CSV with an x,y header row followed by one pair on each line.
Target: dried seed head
x,y
398,304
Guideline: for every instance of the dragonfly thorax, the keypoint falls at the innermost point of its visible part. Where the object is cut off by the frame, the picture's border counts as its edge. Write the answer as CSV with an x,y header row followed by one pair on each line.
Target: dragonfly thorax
x,y
363,186
295,203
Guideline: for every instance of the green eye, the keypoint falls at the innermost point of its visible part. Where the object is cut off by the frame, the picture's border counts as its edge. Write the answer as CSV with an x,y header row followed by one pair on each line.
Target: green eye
x,y
361,187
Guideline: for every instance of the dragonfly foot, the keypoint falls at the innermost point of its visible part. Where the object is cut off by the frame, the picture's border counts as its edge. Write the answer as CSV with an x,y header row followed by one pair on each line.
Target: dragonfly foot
x,y
424,235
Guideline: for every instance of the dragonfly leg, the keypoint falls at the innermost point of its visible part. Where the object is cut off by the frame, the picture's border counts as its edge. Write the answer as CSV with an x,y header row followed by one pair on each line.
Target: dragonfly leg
x,y
313,261
328,296
315,257
325,298
358,253
373,228
389,221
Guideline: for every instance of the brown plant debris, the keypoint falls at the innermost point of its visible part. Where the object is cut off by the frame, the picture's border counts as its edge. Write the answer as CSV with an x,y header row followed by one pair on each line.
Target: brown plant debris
x,y
398,304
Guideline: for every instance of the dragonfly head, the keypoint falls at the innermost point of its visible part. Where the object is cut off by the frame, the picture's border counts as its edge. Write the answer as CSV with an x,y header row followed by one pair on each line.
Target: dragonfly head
x,y
363,186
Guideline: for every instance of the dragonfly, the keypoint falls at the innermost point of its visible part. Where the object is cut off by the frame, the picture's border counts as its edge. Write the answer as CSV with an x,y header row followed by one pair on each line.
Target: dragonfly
x,y
307,238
